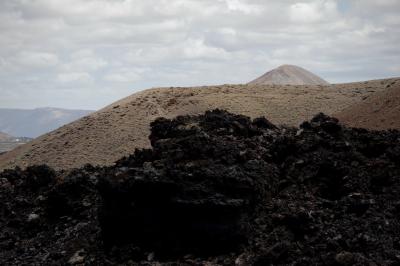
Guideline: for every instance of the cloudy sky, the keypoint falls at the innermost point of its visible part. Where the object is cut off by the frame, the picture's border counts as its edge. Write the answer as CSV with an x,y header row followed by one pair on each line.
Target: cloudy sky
x,y
89,53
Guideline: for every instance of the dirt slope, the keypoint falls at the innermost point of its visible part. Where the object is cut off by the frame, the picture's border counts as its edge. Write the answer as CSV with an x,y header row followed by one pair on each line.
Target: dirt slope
x,y
105,136
289,75
379,111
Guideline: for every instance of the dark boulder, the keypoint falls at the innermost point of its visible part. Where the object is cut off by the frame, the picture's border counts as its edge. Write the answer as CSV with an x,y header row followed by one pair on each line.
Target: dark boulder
x,y
196,195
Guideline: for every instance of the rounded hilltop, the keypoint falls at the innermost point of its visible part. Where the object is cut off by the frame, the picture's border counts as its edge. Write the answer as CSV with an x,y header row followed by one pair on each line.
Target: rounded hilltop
x,y
289,75
115,131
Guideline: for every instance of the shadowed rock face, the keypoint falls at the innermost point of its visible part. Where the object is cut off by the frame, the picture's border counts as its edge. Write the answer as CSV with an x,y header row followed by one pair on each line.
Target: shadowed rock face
x,y
196,191
215,189
289,75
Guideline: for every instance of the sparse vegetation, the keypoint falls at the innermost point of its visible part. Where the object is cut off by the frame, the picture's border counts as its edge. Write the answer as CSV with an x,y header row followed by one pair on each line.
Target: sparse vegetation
x,y
104,136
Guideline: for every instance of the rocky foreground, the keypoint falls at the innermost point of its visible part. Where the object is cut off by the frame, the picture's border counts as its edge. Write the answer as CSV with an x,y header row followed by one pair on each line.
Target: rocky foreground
x,y
215,189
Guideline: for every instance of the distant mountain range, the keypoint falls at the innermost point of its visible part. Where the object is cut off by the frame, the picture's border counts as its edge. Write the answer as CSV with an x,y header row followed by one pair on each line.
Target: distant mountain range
x,y
8,142
35,122
5,137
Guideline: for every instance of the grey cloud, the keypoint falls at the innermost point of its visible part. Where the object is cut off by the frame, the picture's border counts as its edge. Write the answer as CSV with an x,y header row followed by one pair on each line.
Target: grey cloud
x,y
86,54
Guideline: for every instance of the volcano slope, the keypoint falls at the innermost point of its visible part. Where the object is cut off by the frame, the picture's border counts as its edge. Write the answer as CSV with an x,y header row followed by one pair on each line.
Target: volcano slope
x,y
379,111
103,137
289,75
215,189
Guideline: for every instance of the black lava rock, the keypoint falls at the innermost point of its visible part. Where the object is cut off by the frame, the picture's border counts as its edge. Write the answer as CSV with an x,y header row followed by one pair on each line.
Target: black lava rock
x,y
216,189
197,195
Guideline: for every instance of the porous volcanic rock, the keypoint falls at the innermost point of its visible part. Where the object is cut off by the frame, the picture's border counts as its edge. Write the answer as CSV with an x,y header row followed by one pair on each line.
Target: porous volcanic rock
x,y
196,192
215,189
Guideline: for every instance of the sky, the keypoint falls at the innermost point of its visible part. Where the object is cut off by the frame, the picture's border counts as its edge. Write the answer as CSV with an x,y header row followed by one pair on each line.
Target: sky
x,y
86,54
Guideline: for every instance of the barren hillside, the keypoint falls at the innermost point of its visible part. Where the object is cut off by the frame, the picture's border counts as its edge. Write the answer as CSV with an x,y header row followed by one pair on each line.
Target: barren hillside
x,y
379,111
289,75
115,131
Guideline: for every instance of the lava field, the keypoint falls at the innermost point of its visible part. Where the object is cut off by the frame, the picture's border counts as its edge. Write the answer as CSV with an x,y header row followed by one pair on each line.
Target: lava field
x,y
215,189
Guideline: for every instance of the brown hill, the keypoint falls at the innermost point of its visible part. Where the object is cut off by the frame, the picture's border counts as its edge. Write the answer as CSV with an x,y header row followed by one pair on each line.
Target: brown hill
x,y
379,111
289,75
115,131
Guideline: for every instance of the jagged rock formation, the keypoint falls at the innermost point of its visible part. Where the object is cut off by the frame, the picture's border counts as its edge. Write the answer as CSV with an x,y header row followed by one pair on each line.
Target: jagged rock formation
x,y
192,196
104,136
289,75
215,189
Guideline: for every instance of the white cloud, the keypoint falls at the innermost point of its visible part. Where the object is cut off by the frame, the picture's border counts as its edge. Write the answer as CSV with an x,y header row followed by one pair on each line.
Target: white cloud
x,y
242,6
74,77
37,59
84,60
93,9
196,48
368,30
109,48
314,11
125,75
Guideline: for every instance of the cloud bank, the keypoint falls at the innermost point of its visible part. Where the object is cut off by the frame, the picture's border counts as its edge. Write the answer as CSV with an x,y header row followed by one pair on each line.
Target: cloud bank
x,y
88,53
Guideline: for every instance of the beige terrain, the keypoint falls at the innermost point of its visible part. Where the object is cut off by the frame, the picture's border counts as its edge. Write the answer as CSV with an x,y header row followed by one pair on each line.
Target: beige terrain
x,y
289,75
115,131
379,111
